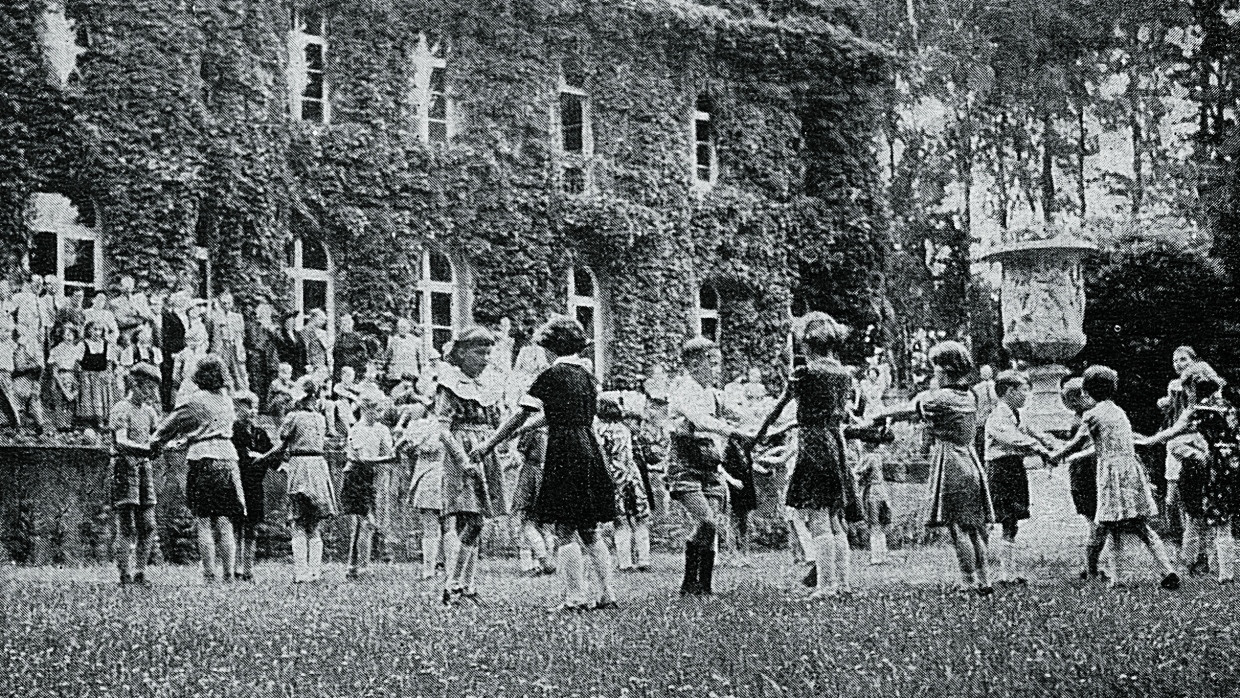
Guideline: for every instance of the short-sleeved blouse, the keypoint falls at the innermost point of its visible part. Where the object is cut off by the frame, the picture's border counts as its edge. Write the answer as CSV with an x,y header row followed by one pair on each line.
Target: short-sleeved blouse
x,y
302,432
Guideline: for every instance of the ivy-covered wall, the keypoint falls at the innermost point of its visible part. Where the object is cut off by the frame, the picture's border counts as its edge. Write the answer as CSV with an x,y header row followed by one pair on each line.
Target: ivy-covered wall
x,y
177,126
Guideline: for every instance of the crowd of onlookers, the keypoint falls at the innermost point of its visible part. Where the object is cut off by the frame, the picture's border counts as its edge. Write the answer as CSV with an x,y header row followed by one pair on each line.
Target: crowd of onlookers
x,y
65,351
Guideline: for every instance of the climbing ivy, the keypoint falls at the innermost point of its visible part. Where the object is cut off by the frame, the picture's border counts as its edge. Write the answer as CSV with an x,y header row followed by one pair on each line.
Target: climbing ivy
x,y
181,133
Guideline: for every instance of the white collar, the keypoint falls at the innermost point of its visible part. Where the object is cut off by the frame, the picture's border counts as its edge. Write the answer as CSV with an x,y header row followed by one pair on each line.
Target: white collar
x,y
570,359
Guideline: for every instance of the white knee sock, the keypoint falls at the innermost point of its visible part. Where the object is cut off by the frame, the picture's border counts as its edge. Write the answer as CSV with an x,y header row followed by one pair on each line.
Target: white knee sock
x,y
572,572
600,560
469,566
624,546
1225,551
641,542
315,552
300,547
824,548
843,561
878,546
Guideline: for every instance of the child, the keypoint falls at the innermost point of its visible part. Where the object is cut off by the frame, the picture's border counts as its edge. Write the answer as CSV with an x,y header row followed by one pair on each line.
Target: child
x,y
959,490
632,507
538,541
1203,445
251,441
341,410
1125,500
872,492
8,352
370,447
133,421
64,360
1082,476
420,439
27,381
311,498
821,487
370,379
96,377
280,395
1007,444
185,364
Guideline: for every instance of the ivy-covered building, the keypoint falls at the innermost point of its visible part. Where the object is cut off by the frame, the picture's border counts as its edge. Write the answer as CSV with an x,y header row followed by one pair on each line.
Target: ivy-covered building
x,y
655,167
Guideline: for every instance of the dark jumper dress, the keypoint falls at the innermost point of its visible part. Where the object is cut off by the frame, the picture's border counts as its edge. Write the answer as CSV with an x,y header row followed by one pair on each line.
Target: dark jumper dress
x,y
576,488
821,479
247,438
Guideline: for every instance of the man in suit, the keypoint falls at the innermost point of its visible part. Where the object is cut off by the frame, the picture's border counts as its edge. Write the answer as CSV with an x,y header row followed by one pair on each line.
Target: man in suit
x,y
174,323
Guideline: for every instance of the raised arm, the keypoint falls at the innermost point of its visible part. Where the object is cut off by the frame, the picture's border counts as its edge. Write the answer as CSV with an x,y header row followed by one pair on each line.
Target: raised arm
x,y
774,414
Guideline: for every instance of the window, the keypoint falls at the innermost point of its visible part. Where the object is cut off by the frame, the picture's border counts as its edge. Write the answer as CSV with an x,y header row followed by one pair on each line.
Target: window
x,y
310,267
584,305
439,298
573,134
704,166
430,84
63,41
202,242
66,243
307,66
708,312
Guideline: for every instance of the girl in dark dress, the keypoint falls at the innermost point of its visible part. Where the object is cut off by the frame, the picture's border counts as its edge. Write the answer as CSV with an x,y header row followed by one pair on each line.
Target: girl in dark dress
x,y
821,487
577,493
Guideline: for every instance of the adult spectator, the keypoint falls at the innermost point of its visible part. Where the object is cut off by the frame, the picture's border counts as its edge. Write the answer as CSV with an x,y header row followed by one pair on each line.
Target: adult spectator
x,y
100,313
351,348
131,309
26,312
262,354
49,300
288,344
315,344
174,323
406,353
226,328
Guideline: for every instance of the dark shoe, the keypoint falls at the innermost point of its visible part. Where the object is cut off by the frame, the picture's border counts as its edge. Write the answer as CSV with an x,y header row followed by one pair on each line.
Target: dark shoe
x,y
693,558
811,577
569,608
126,580
140,579
642,568
1199,568
706,573
1171,582
1226,582
471,596
985,591
606,605
448,597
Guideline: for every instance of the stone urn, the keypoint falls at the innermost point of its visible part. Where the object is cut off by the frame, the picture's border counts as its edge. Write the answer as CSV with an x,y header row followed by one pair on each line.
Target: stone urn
x,y
1043,309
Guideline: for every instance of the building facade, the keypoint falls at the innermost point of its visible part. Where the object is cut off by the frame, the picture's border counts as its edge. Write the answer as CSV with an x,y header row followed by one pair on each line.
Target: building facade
x,y
655,168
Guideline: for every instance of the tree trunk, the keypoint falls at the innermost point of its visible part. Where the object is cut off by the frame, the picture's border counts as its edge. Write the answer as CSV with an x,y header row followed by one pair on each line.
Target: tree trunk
x,y
1048,170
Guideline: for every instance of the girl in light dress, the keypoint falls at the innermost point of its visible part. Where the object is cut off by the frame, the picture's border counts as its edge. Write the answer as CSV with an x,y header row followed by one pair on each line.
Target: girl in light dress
x,y
959,492
186,362
419,440
311,497
1125,499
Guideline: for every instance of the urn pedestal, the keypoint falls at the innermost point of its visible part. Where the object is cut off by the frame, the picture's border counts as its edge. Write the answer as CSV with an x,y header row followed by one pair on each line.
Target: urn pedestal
x,y
1043,310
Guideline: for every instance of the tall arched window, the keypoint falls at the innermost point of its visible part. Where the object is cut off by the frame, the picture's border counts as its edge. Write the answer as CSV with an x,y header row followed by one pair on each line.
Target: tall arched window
x,y
708,312
439,297
585,305
310,267
705,169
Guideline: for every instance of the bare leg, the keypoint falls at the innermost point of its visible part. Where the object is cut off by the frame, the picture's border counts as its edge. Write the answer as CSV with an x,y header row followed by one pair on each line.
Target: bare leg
x,y
431,537
966,557
127,537
228,545
146,539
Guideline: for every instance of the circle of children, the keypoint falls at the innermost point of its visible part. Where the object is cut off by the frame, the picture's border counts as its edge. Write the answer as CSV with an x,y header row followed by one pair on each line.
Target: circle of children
x,y
177,373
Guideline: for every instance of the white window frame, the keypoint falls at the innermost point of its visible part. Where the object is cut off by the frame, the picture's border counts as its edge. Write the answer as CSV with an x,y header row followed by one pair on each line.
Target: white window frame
x,y
55,214
426,287
572,159
298,76
595,303
704,314
300,274
426,58
60,53
700,116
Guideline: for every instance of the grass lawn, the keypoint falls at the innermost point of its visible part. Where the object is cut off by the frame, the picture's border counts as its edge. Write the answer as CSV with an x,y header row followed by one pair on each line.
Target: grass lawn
x,y
75,633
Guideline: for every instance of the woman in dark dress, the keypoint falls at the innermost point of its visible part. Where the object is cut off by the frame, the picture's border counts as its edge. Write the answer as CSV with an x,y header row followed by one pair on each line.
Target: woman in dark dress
x,y
821,487
577,493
